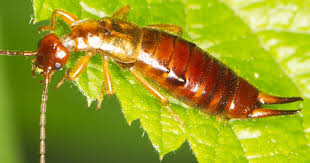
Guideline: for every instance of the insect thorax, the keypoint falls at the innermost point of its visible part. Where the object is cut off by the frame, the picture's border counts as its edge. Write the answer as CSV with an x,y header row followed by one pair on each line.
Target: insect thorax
x,y
113,37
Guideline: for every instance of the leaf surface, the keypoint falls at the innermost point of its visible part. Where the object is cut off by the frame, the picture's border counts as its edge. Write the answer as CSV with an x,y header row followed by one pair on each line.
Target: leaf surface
x,y
265,42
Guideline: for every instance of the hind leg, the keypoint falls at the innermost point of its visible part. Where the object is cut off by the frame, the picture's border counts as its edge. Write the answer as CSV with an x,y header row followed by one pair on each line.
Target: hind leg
x,y
160,96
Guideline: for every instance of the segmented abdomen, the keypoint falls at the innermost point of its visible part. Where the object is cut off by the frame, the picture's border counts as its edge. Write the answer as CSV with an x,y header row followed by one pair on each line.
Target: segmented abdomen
x,y
189,73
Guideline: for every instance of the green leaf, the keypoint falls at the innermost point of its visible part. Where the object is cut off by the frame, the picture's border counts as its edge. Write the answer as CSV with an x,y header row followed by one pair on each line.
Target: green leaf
x,y
265,42
9,151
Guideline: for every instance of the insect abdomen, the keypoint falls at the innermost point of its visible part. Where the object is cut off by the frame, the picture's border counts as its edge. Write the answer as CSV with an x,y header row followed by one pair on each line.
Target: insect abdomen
x,y
197,78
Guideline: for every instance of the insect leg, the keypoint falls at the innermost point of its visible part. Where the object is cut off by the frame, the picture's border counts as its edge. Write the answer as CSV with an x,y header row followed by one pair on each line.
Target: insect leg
x,y
107,84
262,112
64,15
122,13
33,68
107,75
160,96
72,74
268,99
173,29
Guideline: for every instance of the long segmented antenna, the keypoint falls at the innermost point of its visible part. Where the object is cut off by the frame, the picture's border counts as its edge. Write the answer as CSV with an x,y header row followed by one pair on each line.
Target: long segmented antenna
x,y
24,53
43,118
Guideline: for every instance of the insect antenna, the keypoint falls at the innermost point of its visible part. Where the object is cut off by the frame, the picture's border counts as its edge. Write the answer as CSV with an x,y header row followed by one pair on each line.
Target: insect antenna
x,y
22,53
12,53
43,117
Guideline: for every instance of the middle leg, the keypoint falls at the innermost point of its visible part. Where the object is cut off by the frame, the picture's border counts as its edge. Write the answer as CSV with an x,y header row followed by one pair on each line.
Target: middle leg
x,y
107,84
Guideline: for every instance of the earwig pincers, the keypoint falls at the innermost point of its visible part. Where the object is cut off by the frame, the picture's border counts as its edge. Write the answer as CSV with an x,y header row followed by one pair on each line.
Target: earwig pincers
x,y
155,52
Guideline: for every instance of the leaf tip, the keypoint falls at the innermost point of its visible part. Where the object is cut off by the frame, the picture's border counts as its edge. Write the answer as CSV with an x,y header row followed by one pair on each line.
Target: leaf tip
x,y
89,101
129,122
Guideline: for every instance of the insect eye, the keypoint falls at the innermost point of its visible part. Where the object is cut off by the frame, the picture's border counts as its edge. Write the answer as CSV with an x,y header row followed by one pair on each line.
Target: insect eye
x,y
57,66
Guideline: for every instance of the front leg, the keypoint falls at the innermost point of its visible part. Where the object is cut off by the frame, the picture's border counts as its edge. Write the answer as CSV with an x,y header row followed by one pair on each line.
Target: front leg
x,y
72,74
64,15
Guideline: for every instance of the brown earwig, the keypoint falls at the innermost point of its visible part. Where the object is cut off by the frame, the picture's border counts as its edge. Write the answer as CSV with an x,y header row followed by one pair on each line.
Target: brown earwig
x,y
156,52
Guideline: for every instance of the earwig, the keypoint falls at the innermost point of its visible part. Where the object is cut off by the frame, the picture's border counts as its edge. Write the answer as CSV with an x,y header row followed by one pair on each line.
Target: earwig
x,y
157,53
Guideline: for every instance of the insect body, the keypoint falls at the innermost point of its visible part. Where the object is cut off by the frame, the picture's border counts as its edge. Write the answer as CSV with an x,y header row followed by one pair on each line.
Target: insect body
x,y
194,76
176,65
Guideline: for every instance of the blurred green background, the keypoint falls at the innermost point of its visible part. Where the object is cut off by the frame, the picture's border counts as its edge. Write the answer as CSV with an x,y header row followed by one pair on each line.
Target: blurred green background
x,y
75,133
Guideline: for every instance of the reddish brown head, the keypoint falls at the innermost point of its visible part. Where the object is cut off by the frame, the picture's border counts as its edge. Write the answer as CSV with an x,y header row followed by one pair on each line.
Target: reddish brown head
x,y
52,55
